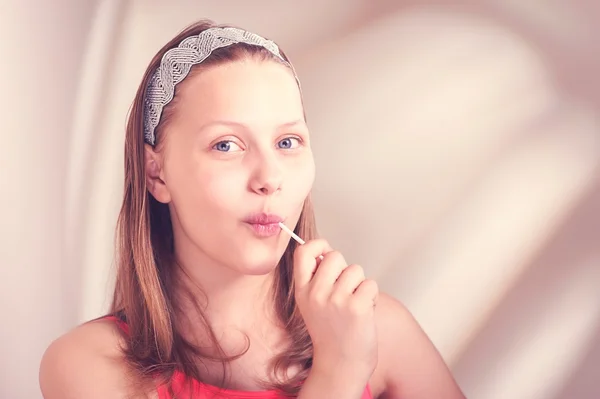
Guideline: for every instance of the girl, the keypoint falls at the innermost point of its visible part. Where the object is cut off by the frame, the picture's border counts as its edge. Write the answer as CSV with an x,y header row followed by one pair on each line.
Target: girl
x,y
212,297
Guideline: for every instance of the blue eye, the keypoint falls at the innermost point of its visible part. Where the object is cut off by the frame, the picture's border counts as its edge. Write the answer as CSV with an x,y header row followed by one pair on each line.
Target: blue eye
x,y
288,143
226,146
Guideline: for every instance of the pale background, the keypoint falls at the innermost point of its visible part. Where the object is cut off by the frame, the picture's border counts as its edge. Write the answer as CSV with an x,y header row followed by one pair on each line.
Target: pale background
x,y
458,146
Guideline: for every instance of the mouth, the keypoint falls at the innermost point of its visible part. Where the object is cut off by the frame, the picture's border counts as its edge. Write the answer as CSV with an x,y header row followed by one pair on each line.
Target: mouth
x,y
263,224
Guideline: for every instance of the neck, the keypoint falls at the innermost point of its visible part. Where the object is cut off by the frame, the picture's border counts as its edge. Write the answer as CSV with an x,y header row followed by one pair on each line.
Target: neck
x,y
226,297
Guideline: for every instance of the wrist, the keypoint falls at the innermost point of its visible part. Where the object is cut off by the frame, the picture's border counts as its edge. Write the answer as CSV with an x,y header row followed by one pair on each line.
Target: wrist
x,y
344,369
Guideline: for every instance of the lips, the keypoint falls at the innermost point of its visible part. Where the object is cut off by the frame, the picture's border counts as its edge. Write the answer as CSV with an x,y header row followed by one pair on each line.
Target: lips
x,y
263,218
263,224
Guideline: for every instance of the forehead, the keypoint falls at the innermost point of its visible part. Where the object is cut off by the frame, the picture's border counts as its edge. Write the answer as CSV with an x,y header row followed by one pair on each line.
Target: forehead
x,y
247,91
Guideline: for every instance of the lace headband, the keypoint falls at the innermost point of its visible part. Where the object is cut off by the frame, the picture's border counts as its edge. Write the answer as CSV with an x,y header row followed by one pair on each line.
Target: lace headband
x,y
177,62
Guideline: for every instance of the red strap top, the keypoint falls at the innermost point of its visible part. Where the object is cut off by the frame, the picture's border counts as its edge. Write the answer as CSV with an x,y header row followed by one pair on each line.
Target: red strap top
x,y
202,390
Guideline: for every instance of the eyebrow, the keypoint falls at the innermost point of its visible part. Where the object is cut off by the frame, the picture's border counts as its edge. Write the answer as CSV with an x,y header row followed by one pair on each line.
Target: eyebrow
x,y
298,122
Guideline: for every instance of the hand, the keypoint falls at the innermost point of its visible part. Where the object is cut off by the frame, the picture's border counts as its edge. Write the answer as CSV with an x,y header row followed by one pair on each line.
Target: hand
x,y
337,303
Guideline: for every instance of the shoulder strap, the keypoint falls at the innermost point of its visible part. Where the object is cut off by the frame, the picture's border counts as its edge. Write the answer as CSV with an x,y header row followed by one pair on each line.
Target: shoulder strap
x,y
120,323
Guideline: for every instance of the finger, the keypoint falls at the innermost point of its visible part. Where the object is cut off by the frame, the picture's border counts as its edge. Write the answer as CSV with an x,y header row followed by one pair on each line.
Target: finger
x,y
367,292
329,270
348,281
306,260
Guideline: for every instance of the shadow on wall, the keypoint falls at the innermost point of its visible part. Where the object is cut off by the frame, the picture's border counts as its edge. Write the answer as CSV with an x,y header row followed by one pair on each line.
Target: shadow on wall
x,y
583,381
562,32
556,304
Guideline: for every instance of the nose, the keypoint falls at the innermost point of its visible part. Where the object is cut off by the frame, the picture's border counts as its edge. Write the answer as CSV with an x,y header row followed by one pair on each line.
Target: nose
x,y
267,176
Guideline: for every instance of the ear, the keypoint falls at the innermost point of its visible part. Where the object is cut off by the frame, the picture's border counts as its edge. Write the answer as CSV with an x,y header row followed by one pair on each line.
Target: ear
x,y
155,176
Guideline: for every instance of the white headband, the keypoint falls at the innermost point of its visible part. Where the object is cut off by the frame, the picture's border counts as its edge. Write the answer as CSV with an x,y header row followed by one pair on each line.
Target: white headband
x,y
177,62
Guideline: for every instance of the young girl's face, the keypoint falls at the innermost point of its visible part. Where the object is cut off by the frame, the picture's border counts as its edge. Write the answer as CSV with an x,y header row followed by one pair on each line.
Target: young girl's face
x,y
236,156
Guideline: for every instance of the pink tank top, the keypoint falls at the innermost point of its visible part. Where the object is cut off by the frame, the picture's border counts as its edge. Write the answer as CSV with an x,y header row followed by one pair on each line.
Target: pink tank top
x,y
201,390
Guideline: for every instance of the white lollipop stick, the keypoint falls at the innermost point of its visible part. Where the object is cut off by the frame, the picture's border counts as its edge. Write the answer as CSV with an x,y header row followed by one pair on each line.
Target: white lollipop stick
x,y
290,232
294,236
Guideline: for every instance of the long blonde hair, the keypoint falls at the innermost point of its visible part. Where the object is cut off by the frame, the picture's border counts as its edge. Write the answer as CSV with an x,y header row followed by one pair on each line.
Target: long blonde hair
x,y
144,291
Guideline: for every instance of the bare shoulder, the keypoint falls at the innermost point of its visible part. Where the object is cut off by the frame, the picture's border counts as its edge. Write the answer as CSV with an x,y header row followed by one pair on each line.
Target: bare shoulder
x,y
86,363
409,364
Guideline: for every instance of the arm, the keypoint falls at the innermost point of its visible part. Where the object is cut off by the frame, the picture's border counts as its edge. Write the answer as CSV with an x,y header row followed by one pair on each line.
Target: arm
x,y
84,364
409,364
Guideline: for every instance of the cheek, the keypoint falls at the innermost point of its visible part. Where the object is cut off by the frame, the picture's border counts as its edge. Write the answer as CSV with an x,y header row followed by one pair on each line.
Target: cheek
x,y
300,179
204,189
222,188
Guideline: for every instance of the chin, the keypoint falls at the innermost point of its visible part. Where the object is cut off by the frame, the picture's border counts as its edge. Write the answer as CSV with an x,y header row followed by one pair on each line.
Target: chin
x,y
258,260
259,269
259,264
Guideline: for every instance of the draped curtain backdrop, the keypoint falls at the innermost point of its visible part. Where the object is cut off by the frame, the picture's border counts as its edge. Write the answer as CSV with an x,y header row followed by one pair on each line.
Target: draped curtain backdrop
x,y
458,154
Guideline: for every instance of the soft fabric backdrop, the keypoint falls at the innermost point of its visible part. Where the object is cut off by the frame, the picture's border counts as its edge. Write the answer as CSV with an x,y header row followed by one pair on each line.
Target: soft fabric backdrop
x,y
458,151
